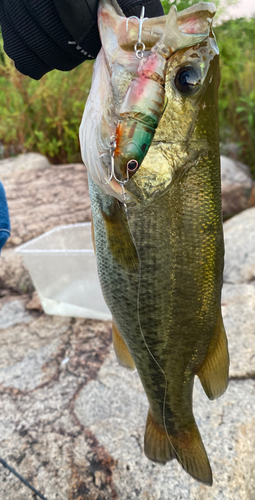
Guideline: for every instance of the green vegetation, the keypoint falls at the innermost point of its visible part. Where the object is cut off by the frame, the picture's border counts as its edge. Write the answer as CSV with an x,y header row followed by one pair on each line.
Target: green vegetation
x,y
44,116
236,41
221,5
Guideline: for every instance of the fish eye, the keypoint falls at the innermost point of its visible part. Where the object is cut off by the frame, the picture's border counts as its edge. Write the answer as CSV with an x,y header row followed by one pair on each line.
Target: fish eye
x,y
188,80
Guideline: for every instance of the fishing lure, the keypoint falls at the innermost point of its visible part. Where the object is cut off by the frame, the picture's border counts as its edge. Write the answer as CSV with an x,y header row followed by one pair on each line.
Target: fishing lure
x,y
145,100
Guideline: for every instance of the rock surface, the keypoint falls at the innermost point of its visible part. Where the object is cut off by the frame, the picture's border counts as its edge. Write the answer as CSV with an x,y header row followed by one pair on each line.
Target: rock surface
x,y
72,420
238,310
14,275
22,163
237,185
43,366
239,235
231,149
43,198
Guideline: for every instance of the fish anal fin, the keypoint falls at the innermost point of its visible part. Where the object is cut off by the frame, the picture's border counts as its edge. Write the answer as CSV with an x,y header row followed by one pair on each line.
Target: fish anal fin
x,y
121,350
213,373
157,446
186,446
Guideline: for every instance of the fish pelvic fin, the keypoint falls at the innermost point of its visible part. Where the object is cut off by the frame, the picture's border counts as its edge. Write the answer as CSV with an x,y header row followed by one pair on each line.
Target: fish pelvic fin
x,y
186,446
214,371
119,238
121,350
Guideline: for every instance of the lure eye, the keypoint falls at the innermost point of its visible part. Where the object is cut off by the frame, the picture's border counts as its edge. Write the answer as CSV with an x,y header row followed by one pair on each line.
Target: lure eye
x,y
188,80
132,165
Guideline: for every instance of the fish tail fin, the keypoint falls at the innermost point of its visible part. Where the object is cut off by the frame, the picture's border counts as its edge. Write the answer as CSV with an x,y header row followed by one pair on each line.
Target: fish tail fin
x,y
121,350
213,373
186,446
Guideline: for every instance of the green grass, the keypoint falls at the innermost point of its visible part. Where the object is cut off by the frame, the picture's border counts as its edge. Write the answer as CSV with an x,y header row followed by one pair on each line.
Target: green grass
x,y
43,116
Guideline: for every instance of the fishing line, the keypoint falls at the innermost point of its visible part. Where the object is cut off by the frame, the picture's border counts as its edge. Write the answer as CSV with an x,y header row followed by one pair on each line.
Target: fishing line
x,y
24,481
140,326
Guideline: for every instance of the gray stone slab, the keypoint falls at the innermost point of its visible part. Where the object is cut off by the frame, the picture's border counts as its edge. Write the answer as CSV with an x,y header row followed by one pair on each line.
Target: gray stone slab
x,y
13,312
14,275
40,199
236,184
239,235
233,172
39,434
22,163
28,373
238,310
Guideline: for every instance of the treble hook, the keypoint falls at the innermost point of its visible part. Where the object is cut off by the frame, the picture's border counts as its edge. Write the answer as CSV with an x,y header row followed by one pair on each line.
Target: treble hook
x,y
112,148
139,46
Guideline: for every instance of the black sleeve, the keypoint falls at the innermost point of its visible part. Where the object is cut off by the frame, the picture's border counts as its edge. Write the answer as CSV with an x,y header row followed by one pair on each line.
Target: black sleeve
x,y
41,35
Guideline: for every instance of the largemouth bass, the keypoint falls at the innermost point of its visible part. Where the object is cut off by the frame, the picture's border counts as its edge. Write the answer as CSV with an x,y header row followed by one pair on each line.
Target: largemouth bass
x,y
158,229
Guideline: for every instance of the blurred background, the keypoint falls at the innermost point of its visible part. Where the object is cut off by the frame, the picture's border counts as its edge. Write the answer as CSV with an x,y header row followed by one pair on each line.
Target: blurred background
x,y
44,116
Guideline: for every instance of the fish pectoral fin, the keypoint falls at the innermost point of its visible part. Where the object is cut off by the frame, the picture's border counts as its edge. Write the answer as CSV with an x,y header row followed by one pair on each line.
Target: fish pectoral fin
x,y
186,446
121,350
119,238
213,373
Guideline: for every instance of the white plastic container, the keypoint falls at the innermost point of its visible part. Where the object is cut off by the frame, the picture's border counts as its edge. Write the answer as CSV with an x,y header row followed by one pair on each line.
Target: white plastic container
x,y
63,268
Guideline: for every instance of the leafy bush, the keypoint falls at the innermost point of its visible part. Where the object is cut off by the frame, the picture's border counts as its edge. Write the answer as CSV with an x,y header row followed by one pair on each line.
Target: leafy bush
x,y
237,90
235,39
43,116
221,5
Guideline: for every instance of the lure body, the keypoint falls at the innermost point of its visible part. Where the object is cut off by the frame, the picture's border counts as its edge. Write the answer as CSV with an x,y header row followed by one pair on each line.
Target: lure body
x,y
144,101
140,113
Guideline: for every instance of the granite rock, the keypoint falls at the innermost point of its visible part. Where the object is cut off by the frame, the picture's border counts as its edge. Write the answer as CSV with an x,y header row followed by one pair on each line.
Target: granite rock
x,y
14,275
252,198
238,310
239,235
42,198
13,312
231,149
72,420
237,185
22,163
43,366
